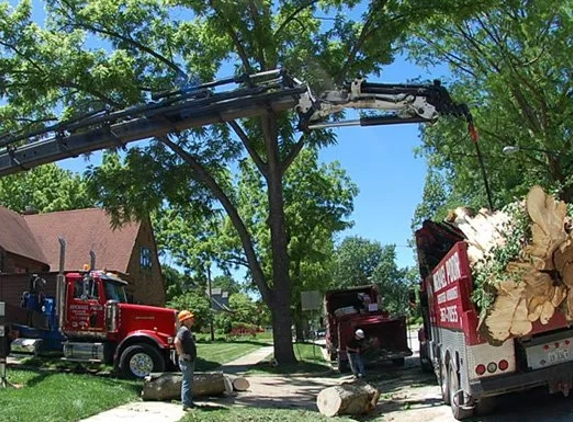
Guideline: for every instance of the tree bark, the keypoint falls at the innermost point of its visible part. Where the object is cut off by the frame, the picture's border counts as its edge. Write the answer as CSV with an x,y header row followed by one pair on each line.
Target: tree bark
x,y
347,399
167,385
280,303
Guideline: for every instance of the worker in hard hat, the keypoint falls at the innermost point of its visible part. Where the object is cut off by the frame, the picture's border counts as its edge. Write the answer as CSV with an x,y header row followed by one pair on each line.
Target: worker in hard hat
x,y
354,348
187,351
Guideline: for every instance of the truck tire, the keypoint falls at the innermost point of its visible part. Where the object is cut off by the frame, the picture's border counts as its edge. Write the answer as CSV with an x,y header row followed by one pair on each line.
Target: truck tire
x,y
444,383
140,360
456,398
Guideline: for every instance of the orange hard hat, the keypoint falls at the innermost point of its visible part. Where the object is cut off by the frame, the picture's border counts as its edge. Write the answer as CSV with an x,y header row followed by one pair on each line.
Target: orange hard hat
x,y
184,315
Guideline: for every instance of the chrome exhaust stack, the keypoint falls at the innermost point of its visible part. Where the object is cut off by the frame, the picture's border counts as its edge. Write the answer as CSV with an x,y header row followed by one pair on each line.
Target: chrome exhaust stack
x,y
61,287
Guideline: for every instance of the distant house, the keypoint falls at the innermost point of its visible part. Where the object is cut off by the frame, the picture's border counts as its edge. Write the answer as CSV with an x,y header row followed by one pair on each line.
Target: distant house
x,y
29,243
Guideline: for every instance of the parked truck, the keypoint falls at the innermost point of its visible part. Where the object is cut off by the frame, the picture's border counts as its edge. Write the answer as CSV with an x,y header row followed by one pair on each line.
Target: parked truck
x,y
471,371
360,307
85,315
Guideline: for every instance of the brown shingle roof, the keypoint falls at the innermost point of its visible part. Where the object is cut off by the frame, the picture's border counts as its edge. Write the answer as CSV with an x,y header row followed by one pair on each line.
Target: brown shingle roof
x,y
84,230
17,238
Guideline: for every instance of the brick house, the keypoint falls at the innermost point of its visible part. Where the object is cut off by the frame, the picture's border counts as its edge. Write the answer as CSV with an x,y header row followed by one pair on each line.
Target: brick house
x,y
29,243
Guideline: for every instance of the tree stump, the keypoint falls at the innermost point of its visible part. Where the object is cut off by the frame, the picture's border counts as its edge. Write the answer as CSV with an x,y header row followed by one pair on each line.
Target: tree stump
x,y
347,399
167,386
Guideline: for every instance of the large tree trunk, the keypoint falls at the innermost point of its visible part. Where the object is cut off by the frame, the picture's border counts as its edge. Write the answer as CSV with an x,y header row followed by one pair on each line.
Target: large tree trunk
x,y
347,399
280,303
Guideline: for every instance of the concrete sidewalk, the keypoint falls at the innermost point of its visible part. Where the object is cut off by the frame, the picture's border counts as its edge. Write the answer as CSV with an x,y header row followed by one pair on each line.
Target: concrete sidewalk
x,y
149,411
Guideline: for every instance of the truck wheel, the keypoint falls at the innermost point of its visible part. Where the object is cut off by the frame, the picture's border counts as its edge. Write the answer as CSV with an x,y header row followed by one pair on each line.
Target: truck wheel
x,y
457,399
444,383
140,360
398,362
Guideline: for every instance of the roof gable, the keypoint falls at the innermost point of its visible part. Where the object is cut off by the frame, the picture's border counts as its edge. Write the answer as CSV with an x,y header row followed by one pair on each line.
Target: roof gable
x,y
17,238
84,230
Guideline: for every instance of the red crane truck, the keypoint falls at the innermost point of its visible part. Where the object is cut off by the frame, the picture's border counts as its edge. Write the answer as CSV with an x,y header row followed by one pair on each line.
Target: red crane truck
x,y
359,307
470,371
85,314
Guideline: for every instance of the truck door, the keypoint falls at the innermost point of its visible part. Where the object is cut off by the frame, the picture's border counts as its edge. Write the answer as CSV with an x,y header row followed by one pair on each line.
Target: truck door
x,y
85,312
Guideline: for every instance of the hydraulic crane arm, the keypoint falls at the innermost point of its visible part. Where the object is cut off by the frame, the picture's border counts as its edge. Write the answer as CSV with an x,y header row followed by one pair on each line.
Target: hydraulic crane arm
x,y
257,94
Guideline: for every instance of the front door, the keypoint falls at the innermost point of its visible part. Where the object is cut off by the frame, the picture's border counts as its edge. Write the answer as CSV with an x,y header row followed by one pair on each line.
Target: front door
x,y
85,312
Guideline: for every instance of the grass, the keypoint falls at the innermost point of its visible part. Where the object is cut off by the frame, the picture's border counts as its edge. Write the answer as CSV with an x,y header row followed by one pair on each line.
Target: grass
x,y
213,354
310,360
51,396
257,415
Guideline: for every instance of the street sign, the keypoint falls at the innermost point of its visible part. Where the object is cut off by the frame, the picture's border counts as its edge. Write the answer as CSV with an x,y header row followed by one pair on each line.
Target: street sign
x,y
310,300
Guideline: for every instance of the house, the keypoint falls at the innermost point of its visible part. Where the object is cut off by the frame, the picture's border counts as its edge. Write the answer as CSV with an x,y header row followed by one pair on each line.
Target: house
x,y
29,243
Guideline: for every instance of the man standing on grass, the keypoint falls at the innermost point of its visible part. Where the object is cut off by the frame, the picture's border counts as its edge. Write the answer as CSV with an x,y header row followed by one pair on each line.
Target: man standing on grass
x,y
354,347
187,351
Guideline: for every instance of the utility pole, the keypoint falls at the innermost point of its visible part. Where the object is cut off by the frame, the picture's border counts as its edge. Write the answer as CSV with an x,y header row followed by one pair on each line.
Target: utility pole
x,y
210,301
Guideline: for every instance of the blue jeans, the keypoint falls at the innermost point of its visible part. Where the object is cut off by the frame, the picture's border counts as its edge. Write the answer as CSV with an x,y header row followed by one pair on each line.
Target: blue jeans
x,y
187,367
356,364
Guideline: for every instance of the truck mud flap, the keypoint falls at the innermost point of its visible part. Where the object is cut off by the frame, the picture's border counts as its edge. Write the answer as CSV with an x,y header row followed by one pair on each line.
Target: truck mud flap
x,y
557,377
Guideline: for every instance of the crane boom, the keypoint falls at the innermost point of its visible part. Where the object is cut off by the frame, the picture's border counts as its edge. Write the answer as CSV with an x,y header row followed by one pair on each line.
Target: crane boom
x,y
257,94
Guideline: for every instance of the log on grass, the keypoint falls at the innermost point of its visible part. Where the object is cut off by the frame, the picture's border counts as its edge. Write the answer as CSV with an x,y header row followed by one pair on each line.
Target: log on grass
x,y
167,385
347,399
238,383
537,280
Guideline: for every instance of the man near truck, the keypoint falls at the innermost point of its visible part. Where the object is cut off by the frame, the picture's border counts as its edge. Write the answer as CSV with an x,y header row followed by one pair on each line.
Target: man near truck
x,y
187,351
354,348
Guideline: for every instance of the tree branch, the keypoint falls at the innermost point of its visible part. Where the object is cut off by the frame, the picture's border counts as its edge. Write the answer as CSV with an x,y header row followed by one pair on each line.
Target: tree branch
x,y
296,149
261,165
203,176
234,37
293,15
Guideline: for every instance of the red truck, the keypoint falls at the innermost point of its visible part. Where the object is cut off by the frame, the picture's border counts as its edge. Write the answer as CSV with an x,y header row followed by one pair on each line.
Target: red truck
x,y
470,371
359,307
86,316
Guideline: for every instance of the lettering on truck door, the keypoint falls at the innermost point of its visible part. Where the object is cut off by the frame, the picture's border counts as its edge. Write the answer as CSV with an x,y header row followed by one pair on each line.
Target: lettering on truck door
x,y
446,294
85,312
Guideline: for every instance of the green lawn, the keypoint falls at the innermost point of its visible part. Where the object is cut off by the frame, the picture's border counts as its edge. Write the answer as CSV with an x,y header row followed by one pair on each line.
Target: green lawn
x,y
310,360
51,396
257,415
213,354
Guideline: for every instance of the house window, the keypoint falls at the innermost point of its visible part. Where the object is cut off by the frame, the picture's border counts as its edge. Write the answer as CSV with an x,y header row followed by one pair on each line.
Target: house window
x,y
145,258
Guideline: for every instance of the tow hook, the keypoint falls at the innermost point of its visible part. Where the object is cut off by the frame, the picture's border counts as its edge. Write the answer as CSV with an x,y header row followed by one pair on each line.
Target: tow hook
x,y
466,406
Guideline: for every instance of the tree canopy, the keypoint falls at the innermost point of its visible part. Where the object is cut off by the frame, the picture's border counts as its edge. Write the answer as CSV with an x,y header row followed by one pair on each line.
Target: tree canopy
x,y
511,64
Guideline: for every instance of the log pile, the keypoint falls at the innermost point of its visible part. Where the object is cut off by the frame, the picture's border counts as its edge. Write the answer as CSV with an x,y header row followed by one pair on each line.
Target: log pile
x,y
523,256
167,385
347,399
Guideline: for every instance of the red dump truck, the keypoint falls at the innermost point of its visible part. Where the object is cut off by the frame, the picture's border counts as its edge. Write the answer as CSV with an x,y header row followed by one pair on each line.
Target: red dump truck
x,y
86,316
470,371
360,307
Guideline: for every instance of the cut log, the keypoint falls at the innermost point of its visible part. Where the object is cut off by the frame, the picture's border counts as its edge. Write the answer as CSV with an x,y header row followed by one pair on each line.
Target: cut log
x,y
533,279
167,385
239,383
348,399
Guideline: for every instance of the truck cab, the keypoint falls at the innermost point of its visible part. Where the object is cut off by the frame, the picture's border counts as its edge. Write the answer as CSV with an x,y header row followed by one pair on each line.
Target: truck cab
x,y
90,320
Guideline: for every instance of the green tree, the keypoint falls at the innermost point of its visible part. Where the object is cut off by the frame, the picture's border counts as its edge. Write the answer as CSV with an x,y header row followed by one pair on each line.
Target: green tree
x,y
511,65
44,189
149,48
362,262
356,259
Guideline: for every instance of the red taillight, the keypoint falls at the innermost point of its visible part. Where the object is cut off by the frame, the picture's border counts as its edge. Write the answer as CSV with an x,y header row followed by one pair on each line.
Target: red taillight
x,y
546,347
503,365
480,369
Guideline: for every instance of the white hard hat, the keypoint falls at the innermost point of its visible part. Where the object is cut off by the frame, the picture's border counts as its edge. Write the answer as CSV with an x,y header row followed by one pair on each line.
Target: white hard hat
x,y
359,333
